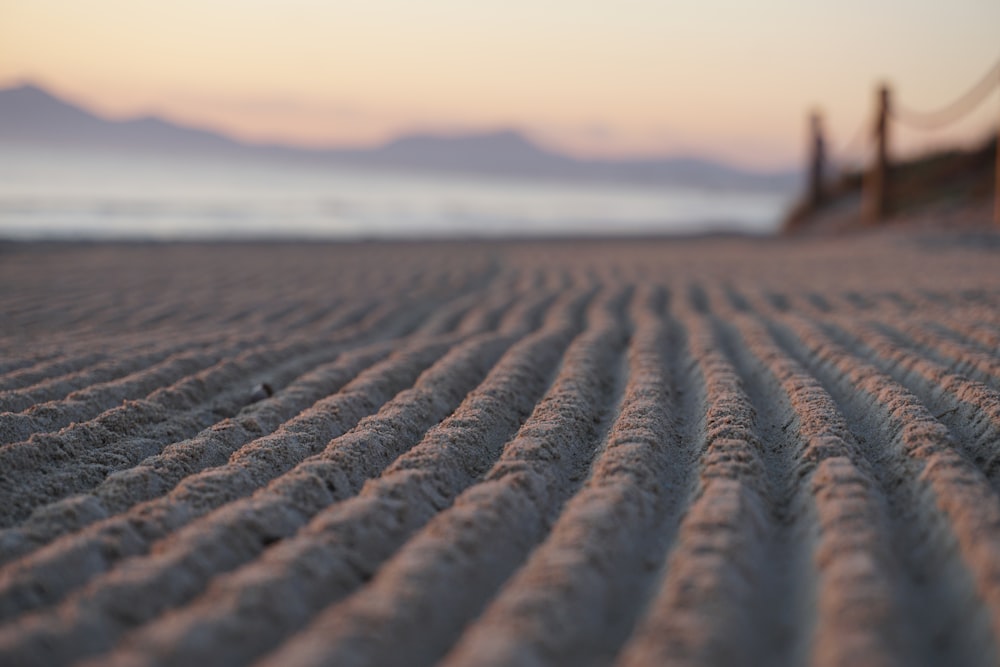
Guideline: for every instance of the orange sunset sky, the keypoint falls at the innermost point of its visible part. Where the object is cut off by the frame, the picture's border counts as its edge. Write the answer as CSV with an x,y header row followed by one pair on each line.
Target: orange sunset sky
x,y
731,80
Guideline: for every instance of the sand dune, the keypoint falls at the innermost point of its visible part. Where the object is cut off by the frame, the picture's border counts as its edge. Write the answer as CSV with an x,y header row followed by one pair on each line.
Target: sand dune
x,y
700,452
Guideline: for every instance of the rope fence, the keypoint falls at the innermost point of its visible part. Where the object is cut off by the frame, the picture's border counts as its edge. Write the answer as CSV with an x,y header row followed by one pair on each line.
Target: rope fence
x,y
961,107
876,178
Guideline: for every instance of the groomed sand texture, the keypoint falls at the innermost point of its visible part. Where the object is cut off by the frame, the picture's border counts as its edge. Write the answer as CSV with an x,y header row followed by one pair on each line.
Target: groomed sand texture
x,y
712,452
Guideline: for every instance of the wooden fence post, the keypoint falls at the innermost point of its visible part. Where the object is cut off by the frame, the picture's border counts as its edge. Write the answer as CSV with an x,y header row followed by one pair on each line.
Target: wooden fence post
x,y
817,162
875,205
996,187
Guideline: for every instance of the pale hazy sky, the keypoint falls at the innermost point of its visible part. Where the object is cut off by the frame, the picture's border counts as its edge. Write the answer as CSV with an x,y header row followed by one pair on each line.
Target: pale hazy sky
x,y
725,78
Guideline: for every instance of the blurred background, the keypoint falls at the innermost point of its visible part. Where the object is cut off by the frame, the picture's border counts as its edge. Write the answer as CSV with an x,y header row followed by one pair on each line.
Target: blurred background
x,y
393,119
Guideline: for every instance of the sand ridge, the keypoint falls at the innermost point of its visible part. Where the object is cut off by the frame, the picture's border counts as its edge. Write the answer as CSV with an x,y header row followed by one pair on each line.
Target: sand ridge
x,y
698,452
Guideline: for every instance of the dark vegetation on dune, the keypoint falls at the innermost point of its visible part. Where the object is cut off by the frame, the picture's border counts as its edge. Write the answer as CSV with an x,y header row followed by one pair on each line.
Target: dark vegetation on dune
x,y
943,188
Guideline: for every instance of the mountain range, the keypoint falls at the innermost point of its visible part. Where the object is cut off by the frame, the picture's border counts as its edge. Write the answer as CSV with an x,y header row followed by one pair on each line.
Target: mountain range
x,y
33,117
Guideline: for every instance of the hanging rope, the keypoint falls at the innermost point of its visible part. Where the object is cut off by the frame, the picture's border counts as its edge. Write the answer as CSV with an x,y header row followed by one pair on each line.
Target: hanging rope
x,y
875,197
954,111
842,159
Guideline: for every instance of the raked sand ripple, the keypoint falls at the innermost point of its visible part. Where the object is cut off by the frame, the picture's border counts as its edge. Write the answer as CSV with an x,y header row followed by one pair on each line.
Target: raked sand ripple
x,y
702,452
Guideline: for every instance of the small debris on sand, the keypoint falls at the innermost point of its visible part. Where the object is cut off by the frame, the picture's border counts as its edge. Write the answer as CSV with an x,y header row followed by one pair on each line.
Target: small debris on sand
x,y
260,392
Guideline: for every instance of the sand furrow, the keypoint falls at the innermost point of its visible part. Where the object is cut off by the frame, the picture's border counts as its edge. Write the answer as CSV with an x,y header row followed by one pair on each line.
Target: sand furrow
x,y
940,505
94,463
970,409
134,483
347,314
967,330
152,423
466,314
17,358
82,455
126,362
180,565
985,335
318,565
49,369
840,517
477,312
48,449
447,572
446,318
527,314
575,600
958,356
486,453
703,612
252,465
84,404
488,320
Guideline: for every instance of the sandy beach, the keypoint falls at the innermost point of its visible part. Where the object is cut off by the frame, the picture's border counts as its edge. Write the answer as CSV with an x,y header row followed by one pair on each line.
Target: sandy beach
x,y
711,451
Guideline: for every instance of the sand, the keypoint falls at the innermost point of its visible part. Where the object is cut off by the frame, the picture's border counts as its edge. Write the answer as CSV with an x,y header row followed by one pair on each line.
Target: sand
x,y
700,452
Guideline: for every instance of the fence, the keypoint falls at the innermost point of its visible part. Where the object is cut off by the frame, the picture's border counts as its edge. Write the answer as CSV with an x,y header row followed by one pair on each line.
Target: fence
x,y
876,203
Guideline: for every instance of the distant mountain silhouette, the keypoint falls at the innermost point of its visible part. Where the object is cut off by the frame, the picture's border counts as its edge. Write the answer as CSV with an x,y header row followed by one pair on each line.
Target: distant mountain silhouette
x,y
32,117
506,152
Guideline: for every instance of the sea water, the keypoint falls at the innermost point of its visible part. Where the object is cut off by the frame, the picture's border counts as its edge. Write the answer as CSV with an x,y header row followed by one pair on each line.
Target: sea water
x,y
70,195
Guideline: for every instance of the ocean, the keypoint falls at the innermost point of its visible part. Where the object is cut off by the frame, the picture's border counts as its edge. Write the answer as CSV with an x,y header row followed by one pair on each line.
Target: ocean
x,y
67,195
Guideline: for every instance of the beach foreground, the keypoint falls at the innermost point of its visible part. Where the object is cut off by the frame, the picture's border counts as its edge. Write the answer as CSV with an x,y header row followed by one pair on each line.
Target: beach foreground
x,y
698,452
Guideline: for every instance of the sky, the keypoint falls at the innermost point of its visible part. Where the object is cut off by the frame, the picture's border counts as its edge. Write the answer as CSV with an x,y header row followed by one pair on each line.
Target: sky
x,y
733,80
